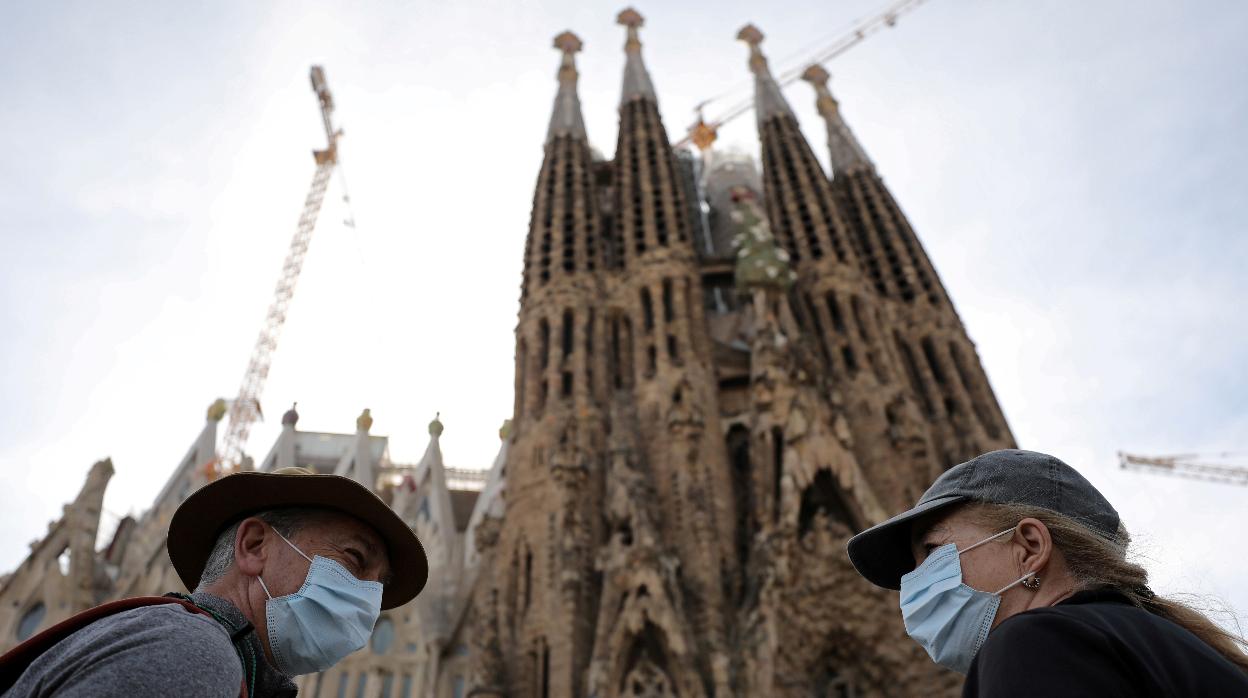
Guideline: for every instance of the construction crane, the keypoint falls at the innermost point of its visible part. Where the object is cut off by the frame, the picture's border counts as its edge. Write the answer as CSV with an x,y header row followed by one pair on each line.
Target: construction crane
x,y
703,133
244,410
1187,465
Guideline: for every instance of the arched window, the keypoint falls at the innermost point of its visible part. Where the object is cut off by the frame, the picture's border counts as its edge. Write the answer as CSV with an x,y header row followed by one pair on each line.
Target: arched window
x,y
528,578
912,372
383,635
589,354
834,310
738,442
31,620
823,496
566,334
669,313
543,344
647,310
777,458
522,374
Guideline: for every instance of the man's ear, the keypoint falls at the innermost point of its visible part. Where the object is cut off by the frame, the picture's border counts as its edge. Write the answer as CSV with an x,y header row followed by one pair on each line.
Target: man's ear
x,y
249,546
1036,545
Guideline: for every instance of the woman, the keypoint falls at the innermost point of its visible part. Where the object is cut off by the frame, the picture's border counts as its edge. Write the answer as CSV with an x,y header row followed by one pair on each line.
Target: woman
x,y
1012,569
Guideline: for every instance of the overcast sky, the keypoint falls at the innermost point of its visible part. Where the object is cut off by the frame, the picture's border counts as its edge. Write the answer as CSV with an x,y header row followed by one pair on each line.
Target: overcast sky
x,y
1075,170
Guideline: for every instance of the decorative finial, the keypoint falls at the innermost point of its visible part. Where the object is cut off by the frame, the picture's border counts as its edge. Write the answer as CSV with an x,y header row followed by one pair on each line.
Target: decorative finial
x,y
633,20
291,418
845,150
435,427
566,119
637,84
568,42
216,411
630,17
816,75
768,100
751,35
365,421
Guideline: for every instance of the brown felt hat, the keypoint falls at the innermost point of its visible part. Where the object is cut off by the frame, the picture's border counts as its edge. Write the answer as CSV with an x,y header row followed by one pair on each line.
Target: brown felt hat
x,y
214,507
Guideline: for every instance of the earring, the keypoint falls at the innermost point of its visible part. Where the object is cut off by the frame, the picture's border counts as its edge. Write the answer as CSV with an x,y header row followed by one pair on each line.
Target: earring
x,y
1033,582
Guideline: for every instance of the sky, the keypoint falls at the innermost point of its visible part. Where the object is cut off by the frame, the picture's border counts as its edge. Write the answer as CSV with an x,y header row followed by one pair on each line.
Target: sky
x,y
1075,171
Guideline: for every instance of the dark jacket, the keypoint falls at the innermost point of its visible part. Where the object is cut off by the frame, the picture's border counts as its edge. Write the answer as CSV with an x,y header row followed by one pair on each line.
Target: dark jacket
x,y
1096,643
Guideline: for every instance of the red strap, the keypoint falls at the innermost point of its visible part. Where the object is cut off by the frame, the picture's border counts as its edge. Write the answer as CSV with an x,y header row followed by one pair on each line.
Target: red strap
x,y
15,662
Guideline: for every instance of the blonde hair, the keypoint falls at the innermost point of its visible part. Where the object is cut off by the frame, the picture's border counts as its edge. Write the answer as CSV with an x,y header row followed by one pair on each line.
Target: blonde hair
x,y
1098,562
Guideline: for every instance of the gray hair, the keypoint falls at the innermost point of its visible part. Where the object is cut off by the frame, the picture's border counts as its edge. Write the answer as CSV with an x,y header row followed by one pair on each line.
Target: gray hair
x,y
287,521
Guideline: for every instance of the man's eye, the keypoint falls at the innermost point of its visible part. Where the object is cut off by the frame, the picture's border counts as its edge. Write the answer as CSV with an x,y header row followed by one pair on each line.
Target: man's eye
x,y
929,547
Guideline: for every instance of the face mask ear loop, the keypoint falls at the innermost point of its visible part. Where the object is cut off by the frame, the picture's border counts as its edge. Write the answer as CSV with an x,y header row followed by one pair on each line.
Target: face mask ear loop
x,y
262,586
292,545
986,540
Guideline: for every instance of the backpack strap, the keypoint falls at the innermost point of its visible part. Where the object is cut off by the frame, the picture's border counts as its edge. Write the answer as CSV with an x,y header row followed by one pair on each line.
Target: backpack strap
x,y
15,662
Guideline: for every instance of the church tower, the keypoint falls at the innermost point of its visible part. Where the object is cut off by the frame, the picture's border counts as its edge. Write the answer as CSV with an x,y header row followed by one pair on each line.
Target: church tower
x,y
720,378
941,368
545,605
662,622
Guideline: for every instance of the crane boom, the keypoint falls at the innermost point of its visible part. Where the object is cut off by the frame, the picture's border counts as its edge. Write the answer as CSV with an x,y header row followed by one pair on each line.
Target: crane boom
x,y
1185,466
703,134
245,409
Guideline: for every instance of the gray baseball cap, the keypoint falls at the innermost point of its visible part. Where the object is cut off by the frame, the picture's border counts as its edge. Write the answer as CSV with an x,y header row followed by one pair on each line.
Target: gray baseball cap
x,y
882,553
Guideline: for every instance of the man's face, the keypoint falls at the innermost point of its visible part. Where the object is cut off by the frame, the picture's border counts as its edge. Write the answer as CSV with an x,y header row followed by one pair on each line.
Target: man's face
x,y
339,537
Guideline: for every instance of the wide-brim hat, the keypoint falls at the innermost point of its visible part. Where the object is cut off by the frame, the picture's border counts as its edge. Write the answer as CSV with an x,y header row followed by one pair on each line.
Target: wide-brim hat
x,y
214,507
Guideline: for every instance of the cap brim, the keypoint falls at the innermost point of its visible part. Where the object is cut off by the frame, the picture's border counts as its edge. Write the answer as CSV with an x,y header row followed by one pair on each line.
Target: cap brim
x,y
200,519
882,553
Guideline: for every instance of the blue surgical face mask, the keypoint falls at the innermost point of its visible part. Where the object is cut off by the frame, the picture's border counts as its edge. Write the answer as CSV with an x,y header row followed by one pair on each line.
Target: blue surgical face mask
x,y
331,616
948,618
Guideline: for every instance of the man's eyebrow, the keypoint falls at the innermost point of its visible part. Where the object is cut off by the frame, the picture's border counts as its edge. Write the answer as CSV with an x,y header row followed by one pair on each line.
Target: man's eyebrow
x,y
919,536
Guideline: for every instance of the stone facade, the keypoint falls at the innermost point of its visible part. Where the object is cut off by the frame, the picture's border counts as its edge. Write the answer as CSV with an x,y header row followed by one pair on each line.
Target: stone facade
x,y
720,377
709,402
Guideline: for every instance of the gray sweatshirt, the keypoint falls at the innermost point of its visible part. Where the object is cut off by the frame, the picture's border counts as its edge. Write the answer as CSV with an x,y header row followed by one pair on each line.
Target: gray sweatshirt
x,y
153,651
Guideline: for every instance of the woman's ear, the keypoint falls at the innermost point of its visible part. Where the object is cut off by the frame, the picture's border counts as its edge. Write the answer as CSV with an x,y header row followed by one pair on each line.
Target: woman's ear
x,y
1035,545
249,549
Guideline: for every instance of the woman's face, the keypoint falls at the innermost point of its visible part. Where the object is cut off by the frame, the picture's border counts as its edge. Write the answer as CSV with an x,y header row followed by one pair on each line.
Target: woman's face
x,y
993,565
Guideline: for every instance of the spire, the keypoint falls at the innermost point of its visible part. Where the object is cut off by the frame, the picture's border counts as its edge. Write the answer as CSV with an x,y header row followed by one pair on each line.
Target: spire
x,y
637,83
800,204
768,100
566,119
844,149
563,226
650,200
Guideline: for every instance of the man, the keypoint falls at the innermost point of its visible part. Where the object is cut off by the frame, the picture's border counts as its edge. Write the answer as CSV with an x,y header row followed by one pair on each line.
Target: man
x,y
290,571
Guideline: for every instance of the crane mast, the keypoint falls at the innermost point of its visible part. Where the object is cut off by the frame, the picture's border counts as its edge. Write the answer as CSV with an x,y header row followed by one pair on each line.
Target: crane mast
x,y
245,408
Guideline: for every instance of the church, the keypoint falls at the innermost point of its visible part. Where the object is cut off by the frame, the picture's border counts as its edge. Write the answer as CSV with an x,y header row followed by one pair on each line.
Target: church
x,y
724,367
